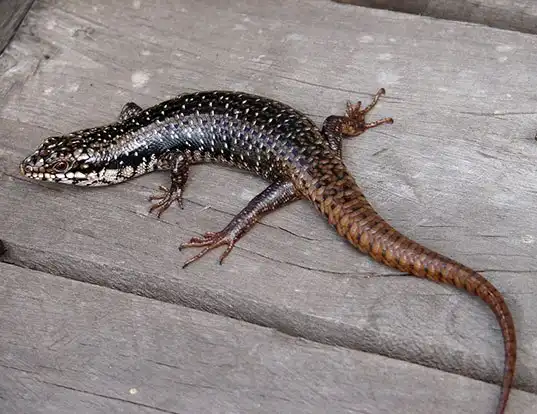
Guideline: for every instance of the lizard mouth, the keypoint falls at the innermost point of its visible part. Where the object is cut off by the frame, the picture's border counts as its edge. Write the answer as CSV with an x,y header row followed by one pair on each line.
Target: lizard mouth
x,y
40,174
37,173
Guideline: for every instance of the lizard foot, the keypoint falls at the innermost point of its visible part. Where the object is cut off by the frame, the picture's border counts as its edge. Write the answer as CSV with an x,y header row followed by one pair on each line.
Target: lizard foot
x,y
165,200
209,241
353,123
271,198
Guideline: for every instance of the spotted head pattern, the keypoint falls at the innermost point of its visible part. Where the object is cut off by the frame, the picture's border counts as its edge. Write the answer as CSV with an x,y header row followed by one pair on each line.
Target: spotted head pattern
x,y
89,157
69,159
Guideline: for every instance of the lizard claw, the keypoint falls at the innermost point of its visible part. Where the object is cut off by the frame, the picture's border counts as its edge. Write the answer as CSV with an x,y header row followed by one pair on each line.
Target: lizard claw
x,y
209,241
165,200
353,123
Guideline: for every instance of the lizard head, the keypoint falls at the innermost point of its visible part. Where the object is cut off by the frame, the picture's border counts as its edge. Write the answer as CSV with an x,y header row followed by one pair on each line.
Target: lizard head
x,y
65,159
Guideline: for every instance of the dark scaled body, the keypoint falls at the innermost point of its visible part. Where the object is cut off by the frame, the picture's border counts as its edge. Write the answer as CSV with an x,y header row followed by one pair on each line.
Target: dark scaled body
x,y
274,141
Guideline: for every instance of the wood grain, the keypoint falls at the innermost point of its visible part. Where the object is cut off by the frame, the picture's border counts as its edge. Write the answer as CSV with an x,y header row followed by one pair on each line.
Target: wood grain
x,y
75,348
11,14
519,15
456,171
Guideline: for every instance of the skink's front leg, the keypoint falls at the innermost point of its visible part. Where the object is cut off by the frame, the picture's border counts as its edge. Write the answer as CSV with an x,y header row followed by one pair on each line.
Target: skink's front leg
x,y
179,176
129,110
273,197
174,161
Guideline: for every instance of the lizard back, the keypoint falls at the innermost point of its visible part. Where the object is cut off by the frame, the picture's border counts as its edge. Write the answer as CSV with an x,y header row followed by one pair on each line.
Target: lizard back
x,y
242,130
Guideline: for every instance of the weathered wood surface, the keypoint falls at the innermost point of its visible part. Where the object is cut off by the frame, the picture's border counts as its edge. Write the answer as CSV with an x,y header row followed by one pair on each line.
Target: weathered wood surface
x,y
455,172
11,14
519,15
105,351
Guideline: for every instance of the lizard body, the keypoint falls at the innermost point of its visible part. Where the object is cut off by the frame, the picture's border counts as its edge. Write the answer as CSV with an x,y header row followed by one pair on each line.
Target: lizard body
x,y
274,141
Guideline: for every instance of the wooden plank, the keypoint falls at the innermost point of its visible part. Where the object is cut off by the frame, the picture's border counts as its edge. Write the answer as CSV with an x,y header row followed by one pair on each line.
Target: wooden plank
x,y
69,347
456,171
519,15
11,14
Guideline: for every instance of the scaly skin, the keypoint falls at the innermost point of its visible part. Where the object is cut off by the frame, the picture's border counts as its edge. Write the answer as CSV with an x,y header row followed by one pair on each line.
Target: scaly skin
x,y
274,141
336,195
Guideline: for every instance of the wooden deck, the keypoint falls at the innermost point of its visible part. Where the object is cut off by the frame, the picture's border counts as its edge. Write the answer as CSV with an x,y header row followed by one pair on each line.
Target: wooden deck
x,y
518,15
97,315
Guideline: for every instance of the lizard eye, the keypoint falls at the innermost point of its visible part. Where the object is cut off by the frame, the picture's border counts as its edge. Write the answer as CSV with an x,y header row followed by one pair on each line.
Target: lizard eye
x,y
60,166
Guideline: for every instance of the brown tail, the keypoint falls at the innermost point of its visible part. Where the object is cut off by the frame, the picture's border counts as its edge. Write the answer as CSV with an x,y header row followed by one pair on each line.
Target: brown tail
x,y
338,197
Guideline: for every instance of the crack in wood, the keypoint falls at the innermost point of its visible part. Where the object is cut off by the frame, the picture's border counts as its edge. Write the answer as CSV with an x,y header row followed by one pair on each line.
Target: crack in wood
x,y
161,410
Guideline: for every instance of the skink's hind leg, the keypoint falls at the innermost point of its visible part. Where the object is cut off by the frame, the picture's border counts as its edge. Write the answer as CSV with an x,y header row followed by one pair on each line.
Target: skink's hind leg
x,y
273,197
179,176
352,123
